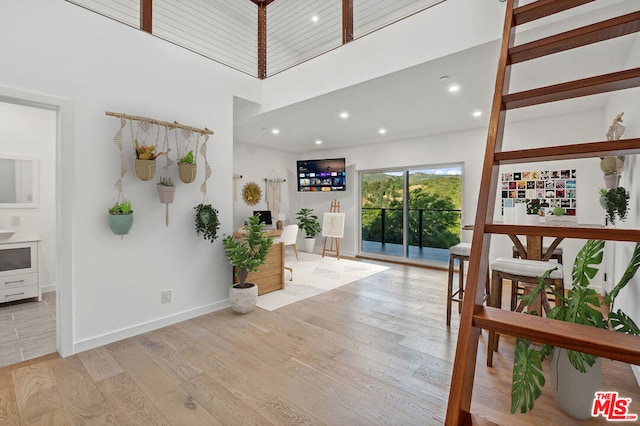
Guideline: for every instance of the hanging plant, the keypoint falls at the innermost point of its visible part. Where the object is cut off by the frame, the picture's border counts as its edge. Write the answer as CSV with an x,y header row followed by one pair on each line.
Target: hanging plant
x,y
207,222
615,202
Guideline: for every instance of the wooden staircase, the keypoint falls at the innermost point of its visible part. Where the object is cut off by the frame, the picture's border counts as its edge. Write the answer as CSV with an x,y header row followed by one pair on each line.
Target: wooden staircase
x,y
475,316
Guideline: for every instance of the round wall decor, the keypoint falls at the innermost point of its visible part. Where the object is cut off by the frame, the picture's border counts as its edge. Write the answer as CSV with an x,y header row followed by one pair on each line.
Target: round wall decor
x,y
251,193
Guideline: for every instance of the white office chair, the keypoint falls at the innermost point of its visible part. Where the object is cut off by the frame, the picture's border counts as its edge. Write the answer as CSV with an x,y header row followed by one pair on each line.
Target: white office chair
x,y
289,237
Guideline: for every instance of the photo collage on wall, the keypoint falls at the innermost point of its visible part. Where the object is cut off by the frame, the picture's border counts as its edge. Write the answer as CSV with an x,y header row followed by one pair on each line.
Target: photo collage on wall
x,y
554,188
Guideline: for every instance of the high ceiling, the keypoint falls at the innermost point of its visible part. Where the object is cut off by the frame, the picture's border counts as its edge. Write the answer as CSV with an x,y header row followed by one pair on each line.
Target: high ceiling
x,y
415,102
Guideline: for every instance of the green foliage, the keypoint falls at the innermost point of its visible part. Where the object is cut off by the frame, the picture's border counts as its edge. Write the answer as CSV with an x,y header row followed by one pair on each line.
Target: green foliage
x,y
527,380
187,159
121,208
207,222
166,181
578,307
616,203
246,254
146,152
308,222
438,196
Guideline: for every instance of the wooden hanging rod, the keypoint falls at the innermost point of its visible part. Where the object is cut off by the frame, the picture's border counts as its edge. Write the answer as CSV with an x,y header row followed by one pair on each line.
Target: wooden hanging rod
x,y
174,125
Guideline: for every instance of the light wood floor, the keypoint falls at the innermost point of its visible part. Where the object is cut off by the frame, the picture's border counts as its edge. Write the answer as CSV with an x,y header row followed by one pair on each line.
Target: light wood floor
x,y
374,352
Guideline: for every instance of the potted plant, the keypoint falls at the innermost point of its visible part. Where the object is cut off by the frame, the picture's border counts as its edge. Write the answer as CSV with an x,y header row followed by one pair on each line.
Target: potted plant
x,y
308,223
534,211
615,201
166,190
246,254
187,168
580,306
207,222
121,218
145,162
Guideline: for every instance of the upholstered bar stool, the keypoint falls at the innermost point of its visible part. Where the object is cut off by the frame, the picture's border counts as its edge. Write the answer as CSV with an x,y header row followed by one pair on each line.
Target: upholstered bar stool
x,y
517,289
525,272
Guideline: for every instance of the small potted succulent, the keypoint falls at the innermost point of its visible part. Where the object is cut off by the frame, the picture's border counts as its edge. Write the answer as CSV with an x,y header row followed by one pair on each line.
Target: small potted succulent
x,y
121,218
187,168
246,254
145,162
166,190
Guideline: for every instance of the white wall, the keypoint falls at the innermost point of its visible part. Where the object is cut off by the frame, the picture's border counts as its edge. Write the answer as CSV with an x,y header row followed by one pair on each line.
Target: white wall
x,y
101,65
627,101
30,131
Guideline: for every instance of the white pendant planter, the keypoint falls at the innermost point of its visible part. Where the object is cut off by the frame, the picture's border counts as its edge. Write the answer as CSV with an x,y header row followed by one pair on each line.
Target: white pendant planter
x,y
574,391
309,244
243,300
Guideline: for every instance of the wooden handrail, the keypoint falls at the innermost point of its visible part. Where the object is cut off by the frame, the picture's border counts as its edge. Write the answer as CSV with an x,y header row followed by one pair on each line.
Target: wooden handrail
x,y
577,337
570,231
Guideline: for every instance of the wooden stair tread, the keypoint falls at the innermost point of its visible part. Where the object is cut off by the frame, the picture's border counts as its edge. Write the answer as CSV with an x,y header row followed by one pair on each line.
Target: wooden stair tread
x,y
573,89
543,8
594,33
566,231
600,342
571,151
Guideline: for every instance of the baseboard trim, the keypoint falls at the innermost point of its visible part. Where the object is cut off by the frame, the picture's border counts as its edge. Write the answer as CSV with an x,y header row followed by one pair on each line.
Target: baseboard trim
x,y
107,338
48,288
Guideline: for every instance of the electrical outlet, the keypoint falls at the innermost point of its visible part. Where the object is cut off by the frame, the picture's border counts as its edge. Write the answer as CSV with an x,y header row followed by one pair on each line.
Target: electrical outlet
x,y
166,296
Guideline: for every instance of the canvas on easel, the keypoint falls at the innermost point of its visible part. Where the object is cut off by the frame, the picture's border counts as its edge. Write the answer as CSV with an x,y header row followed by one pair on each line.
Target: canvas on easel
x,y
333,228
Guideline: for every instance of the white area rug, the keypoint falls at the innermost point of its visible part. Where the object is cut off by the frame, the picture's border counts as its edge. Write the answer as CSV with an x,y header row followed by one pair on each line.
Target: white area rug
x,y
314,274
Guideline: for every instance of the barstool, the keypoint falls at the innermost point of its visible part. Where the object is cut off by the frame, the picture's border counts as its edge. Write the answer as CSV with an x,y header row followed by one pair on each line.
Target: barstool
x,y
517,289
459,252
520,271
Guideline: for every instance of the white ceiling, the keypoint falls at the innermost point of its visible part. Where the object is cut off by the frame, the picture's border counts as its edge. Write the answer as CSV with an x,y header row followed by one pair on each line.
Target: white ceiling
x,y
415,102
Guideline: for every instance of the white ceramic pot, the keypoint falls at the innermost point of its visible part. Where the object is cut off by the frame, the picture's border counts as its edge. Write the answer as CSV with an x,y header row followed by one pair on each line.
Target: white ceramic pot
x,y
309,244
243,300
574,391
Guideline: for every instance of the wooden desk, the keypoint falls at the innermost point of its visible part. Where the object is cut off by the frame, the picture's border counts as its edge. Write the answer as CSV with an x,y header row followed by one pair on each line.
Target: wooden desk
x,y
270,275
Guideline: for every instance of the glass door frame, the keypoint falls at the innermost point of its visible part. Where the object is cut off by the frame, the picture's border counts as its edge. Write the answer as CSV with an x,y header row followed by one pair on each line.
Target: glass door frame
x,y
405,213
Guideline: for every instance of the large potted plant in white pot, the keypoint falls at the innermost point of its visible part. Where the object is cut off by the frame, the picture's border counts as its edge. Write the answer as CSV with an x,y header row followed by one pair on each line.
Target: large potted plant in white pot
x,y
246,253
575,375
308,223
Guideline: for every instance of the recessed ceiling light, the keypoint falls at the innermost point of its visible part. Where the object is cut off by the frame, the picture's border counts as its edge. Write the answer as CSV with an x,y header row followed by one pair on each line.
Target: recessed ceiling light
x,y
477,113
275,131
315,18
344,115
382,131
318,142
454,88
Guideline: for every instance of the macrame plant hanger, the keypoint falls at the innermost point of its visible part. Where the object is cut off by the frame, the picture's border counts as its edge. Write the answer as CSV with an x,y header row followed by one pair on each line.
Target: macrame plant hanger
x,y
184,144
207,169
124,165
166,198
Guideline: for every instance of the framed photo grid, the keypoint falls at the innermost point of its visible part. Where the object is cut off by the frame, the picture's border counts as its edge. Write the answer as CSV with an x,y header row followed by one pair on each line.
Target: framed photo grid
x,y
554,188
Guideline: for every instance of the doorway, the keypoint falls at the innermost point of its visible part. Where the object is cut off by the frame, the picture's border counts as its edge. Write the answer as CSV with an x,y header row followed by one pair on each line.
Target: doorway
x,y
29,326
411,214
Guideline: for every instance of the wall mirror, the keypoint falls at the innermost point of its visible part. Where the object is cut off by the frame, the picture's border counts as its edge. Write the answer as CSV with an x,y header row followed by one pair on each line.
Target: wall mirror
x,y
18,181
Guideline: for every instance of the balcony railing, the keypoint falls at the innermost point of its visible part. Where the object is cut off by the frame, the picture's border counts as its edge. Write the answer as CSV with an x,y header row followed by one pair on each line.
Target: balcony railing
x,y
435,228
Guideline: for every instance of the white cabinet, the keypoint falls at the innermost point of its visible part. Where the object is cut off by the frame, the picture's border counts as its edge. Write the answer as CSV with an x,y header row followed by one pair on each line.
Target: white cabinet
x,y
19,271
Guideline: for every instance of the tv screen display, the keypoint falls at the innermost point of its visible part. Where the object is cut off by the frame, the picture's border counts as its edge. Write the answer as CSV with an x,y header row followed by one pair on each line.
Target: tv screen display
x,y
322,175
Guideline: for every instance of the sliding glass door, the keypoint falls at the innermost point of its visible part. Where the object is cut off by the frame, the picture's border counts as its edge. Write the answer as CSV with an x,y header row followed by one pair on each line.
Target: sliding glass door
x,y
411,213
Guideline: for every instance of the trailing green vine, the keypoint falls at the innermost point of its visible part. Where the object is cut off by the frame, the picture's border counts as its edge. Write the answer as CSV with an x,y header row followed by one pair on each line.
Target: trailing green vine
x,y
616,203
207,222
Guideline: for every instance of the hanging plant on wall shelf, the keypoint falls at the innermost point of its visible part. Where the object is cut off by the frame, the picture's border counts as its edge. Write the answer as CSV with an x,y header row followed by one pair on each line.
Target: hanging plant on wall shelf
x,y
207,222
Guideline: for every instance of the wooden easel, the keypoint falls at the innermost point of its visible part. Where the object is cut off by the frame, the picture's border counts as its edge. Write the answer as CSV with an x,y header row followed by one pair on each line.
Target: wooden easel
x,y
335,208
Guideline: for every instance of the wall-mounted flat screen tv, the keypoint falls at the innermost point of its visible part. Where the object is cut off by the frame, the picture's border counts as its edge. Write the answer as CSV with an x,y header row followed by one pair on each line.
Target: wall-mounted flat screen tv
x,y
322,175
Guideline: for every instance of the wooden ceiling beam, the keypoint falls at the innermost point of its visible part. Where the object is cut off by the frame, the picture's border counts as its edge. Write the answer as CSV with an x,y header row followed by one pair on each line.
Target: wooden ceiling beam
x,y
146,20
347,21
